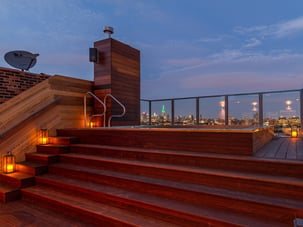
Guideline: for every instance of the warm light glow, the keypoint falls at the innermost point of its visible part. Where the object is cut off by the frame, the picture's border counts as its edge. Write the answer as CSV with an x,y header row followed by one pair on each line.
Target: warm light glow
x,y
43,136
254,103
91,124
288,102
9,163
222,104
294,133
9,168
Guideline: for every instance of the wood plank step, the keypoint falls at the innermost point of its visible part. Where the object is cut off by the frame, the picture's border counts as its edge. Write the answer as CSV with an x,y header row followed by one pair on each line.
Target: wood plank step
x,y
31,168
204,160
257,183
42,158
18,179
85,209
9,193
25,214
53,149
261,206
63,140
178,212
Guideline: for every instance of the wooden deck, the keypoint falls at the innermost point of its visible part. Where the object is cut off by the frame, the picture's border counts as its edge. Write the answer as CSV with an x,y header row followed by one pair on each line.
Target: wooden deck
x,y
21,213
282,148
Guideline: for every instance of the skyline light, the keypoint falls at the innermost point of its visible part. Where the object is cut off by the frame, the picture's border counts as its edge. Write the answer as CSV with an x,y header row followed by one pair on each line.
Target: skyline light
x,y
188,48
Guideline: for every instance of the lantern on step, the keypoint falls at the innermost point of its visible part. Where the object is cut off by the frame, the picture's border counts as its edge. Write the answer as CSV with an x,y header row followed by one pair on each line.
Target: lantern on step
x,y
294,131
43,136
9,163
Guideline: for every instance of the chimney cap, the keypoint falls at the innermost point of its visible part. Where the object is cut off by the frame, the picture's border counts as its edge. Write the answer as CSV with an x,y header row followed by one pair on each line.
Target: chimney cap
x,y
108,30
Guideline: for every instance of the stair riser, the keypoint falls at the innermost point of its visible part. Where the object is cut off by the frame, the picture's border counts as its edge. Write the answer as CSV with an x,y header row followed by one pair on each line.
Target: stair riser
x,y
252,166
228,182
23,183
41,159
77,212
52,149
259,209
158,212
10,196
63,140
30,170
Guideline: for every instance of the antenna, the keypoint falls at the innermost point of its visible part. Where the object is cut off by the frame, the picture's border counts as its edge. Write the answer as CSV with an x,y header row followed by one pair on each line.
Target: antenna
x,y
21,59
108,30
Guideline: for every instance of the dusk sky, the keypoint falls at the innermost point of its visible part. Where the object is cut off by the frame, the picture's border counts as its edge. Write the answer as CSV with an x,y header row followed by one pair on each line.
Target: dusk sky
x,y
188,47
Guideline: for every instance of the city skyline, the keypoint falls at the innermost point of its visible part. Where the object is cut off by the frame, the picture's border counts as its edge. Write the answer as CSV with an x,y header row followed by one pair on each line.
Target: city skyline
x,y
188,48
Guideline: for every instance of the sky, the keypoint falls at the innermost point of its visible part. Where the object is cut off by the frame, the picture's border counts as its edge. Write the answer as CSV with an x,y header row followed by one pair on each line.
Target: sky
x,y
188,47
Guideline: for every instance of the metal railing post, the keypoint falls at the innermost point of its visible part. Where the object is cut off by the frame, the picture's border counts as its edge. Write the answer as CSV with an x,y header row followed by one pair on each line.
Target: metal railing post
x,y
226,109
260,109
197,111
172,112
301,109
150,112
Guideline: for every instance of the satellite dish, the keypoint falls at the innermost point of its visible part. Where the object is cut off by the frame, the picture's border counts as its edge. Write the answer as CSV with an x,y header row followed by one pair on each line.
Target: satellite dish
x,y
21,59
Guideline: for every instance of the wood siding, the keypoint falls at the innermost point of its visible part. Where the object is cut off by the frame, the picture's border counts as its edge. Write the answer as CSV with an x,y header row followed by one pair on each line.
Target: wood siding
x,y
118,73
54,103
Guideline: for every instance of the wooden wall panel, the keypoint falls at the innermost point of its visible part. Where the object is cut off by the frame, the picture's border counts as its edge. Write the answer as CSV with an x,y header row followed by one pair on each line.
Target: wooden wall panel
x,y
122,80
54,103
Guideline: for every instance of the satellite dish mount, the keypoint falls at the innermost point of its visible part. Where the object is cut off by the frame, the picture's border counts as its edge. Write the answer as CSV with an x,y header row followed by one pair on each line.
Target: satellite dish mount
x,y
21,59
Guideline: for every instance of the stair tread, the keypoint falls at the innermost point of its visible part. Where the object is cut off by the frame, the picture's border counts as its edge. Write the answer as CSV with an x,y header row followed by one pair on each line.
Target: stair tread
x,y
217,172
6,188
189,153
277,201
30,164
41,154
176,206
95,207
20,175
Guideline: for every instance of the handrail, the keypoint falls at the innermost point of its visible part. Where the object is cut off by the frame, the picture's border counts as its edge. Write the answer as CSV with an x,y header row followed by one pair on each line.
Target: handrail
x,y
117,115
94,115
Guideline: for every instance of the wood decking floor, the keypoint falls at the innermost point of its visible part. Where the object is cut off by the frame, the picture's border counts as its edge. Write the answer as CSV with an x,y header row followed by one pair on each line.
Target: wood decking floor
x,y
24,214
282,148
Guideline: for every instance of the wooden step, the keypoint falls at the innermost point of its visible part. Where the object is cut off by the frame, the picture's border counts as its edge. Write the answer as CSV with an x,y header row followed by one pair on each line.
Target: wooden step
x,y
63,140
248,203
31,168
9,193
86,210
42,158
256,183
18,179
204,160
168,210
53,149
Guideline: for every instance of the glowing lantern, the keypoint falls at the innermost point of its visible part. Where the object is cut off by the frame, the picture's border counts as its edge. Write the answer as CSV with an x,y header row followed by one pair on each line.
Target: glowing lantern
x,y
9,163
43,136
294,132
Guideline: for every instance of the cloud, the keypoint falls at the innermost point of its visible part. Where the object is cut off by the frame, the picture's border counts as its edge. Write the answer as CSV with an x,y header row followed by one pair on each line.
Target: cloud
x,y
253,42
278,30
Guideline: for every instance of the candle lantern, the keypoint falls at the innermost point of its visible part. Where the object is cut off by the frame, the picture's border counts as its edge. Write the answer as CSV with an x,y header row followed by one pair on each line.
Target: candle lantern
x,y
294,131
9,163
43,136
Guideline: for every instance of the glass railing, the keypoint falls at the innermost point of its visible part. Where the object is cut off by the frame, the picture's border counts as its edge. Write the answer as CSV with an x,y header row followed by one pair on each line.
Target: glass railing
x,y
280,109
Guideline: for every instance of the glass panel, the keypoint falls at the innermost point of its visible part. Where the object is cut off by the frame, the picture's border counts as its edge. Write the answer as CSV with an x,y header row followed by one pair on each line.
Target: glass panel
x,y
282,110
185,111
212,111
161,113
243,110
144,112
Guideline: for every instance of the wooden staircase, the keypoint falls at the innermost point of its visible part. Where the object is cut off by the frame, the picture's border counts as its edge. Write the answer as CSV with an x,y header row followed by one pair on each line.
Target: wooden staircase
x,y
134,186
